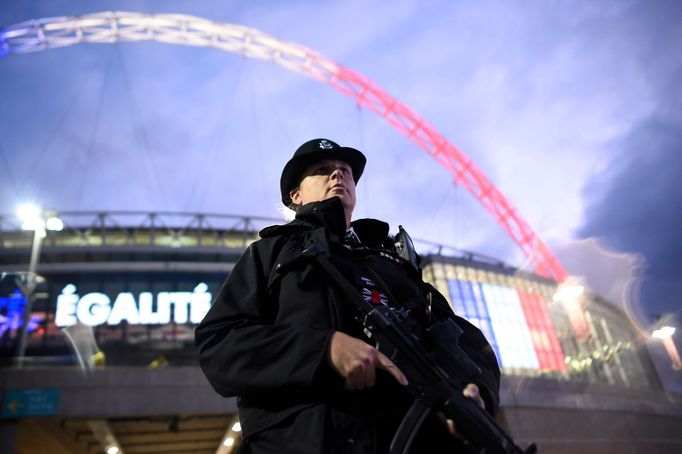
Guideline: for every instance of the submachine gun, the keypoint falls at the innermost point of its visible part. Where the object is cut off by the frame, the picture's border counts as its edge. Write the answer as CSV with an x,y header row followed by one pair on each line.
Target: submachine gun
x,y
436,376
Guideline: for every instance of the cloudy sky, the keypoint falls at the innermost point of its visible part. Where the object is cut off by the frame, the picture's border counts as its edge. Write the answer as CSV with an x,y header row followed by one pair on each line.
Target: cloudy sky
x,y
572,108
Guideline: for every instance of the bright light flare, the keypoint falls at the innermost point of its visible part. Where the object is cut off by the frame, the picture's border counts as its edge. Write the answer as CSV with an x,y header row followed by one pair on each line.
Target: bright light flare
x,y
237,427
229,441
112,450
29,212
664,332
31,217
568,292
54,223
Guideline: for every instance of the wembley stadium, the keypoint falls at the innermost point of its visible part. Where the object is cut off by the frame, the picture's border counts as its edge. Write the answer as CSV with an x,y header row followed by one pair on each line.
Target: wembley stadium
x,y
110,362
98,308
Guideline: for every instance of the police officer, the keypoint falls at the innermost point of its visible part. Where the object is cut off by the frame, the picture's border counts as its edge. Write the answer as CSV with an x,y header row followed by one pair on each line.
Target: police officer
x,y
306,377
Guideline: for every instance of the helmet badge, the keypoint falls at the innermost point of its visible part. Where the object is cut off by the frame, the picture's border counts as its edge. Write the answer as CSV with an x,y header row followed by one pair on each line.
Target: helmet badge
x,y
325,145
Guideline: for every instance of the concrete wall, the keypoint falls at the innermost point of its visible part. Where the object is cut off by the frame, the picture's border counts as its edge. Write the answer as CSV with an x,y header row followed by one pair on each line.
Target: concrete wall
x,y
123,391
560,417
563,417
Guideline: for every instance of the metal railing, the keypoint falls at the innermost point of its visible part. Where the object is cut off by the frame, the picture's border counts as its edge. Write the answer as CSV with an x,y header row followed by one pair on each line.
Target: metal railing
x,y
137,228
175,230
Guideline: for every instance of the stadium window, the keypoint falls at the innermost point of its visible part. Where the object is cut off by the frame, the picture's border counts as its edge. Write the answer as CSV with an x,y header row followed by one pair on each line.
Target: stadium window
x,y
543,334
509,327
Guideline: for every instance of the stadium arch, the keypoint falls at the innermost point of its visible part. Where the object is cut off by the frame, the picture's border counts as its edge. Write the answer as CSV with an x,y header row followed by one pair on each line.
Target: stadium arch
x,y
110,27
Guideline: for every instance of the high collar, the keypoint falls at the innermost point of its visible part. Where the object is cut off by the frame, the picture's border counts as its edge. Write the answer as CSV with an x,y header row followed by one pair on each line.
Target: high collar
x,y
329,213
325,213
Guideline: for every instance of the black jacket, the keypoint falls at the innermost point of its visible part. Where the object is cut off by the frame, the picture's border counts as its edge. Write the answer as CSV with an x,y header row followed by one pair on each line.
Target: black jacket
x,y
266,337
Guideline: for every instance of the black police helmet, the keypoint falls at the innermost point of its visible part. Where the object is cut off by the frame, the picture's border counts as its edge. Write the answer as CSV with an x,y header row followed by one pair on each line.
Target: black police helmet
x,y
314,151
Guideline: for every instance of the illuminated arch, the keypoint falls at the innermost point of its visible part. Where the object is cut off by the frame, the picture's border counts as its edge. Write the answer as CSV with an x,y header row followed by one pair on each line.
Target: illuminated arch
x,y
110,27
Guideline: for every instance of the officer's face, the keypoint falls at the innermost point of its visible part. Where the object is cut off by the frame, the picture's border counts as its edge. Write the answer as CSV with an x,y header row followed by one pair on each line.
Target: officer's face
x,y
325,179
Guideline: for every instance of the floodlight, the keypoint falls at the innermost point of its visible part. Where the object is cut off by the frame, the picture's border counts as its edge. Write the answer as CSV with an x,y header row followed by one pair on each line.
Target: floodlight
x,y
54,223
31,217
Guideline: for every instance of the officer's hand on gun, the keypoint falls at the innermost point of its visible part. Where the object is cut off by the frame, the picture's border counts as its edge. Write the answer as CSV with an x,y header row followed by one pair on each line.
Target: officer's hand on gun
x,y
356,361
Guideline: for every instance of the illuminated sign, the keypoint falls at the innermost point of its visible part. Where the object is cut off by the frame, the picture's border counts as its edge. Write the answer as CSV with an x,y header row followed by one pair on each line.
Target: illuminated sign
x,y
95,309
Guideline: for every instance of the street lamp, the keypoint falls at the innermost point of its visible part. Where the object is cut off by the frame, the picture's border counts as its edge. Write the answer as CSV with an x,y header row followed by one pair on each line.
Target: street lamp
x,y
664,333
33,218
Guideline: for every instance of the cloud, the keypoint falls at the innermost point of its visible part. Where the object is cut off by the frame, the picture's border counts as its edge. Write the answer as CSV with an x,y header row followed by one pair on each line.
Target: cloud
x,y
532,95
614,276
638,207
536,96
635,203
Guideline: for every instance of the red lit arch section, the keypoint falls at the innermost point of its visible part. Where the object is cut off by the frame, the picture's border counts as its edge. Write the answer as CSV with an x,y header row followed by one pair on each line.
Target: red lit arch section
x,y
110,27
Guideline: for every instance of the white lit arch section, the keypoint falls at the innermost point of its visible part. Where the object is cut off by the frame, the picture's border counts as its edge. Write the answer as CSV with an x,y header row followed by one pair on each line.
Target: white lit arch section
x,y
110,27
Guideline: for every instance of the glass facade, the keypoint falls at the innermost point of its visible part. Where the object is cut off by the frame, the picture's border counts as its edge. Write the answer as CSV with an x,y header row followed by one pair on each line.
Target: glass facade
x,y
532,334
135,310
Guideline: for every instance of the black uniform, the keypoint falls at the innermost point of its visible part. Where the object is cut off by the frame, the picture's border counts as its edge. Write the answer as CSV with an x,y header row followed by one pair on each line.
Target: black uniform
x,y
267,334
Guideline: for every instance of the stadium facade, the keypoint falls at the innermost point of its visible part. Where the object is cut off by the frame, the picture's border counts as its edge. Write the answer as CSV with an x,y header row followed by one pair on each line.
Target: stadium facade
x,y
110,363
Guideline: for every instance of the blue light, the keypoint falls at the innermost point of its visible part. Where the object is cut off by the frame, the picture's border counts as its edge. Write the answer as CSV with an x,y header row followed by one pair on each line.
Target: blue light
x,y
468,302
12,314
